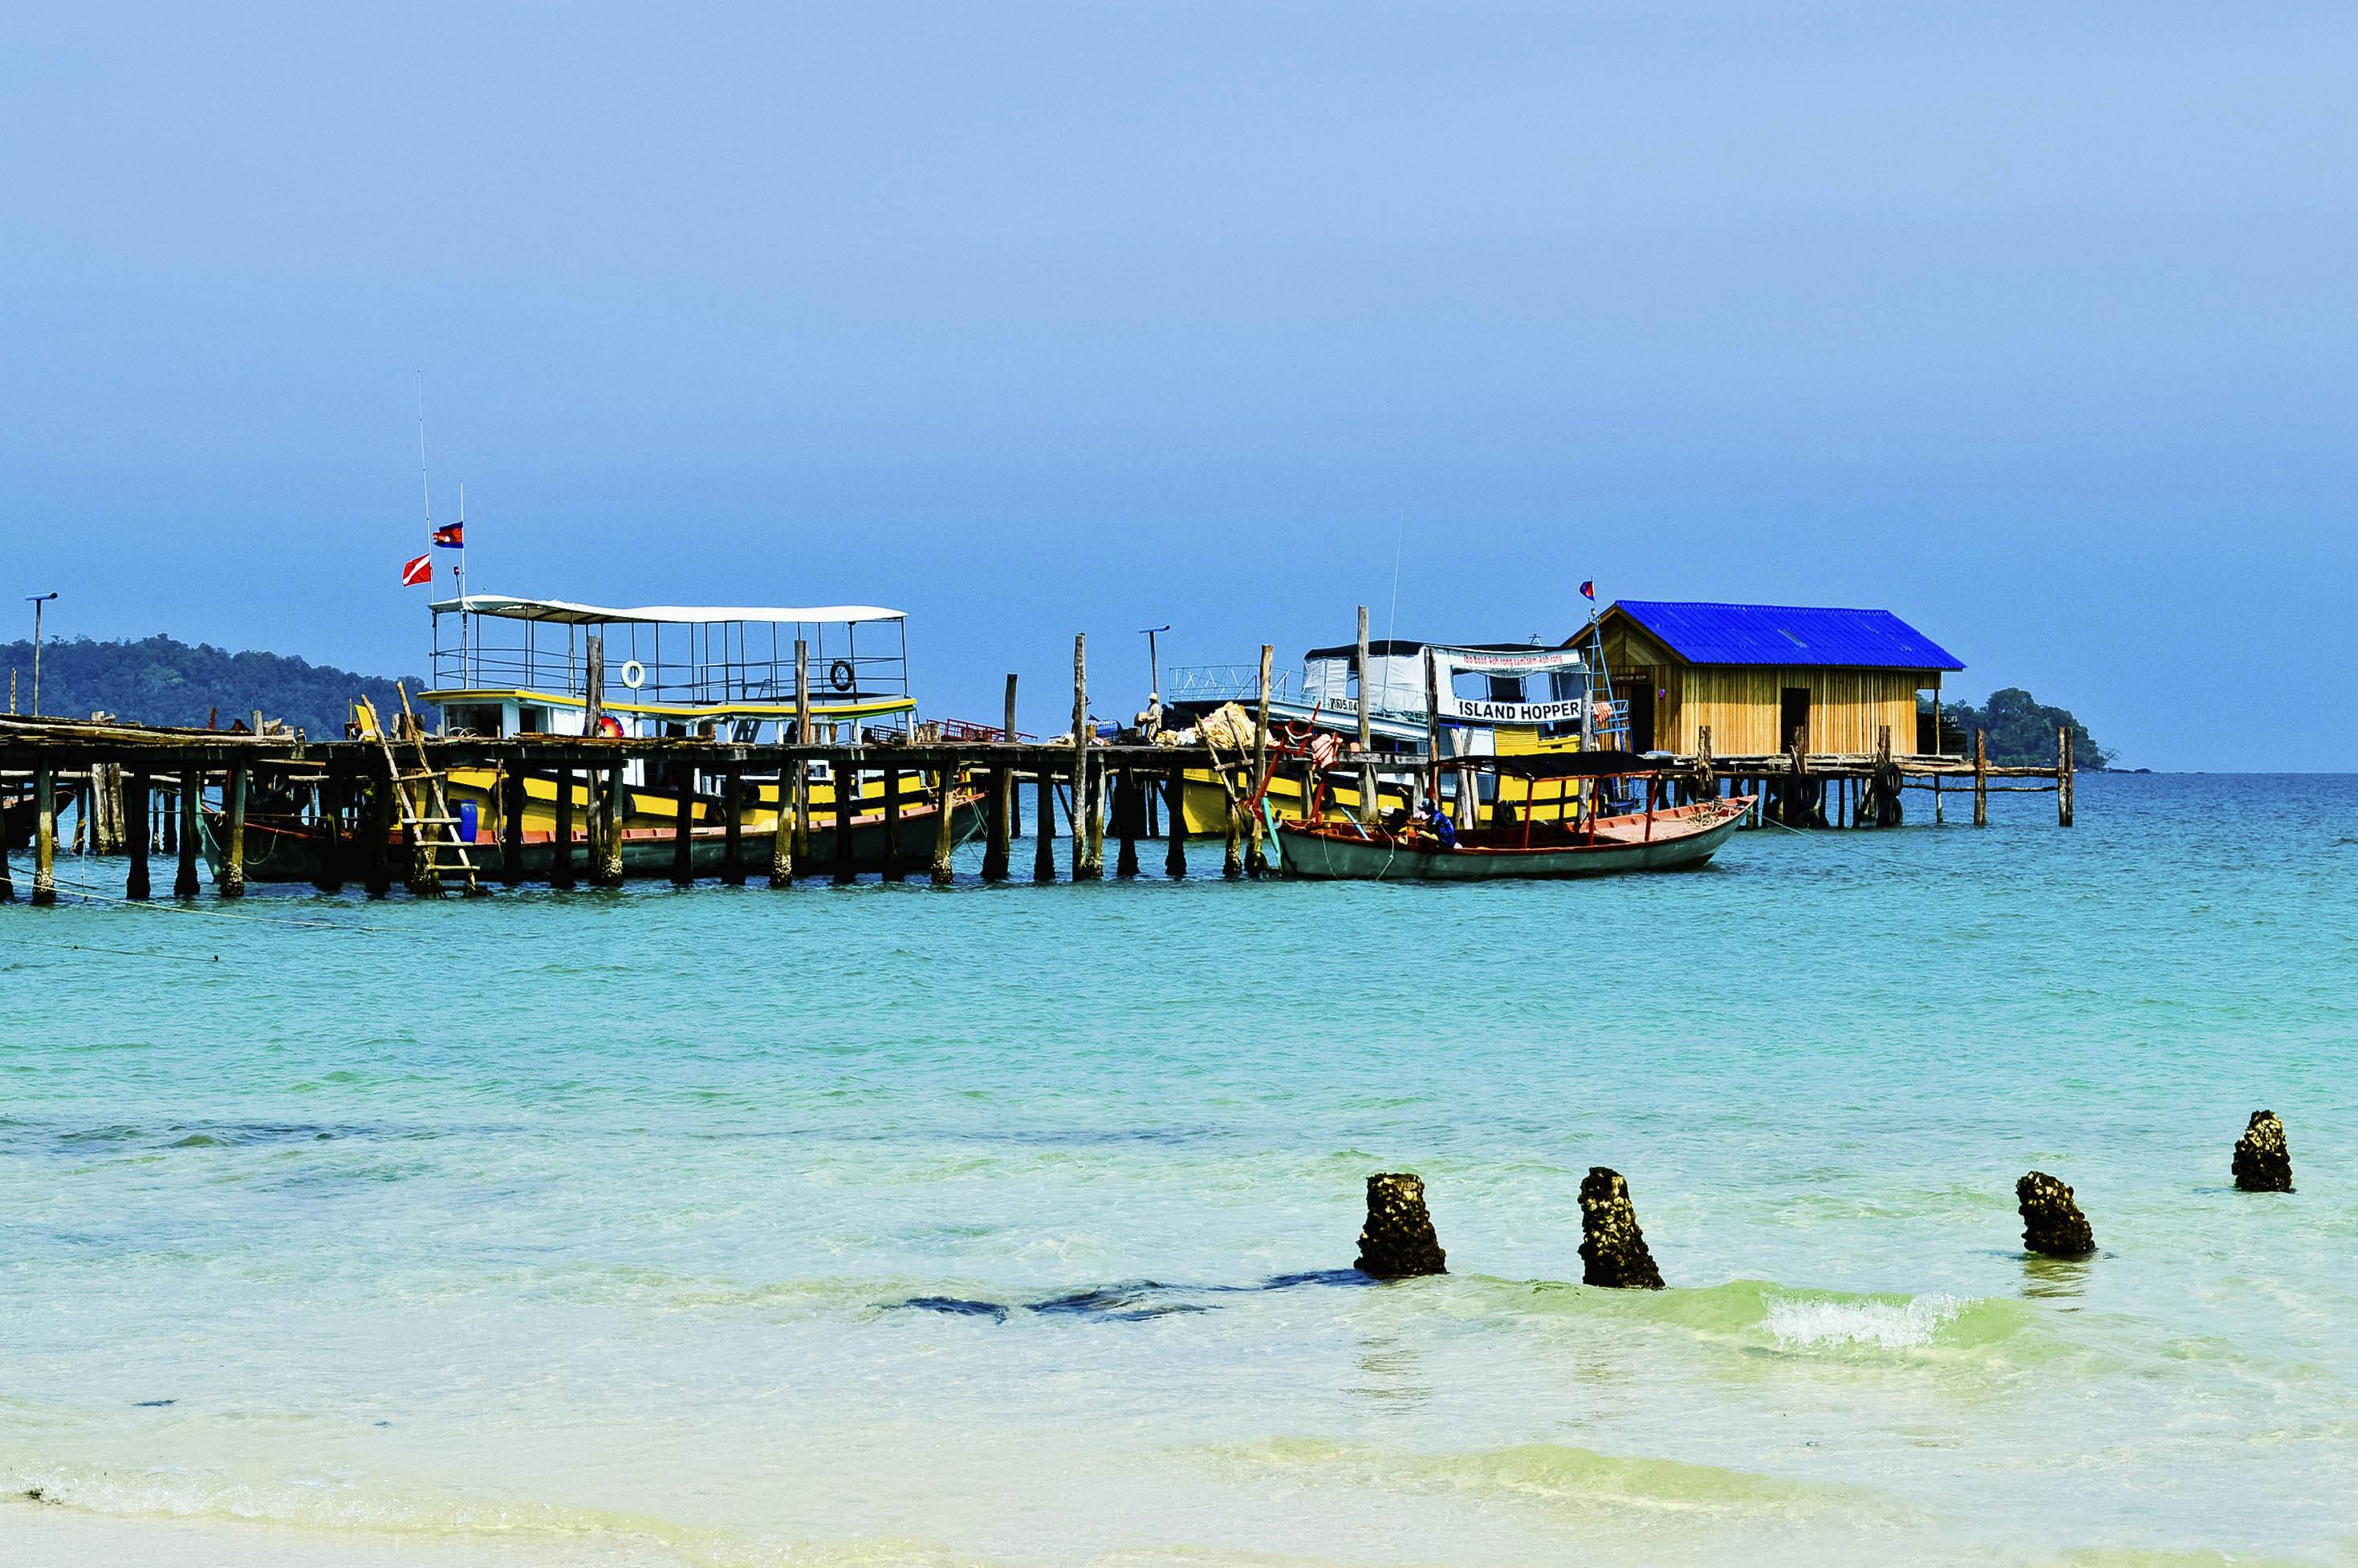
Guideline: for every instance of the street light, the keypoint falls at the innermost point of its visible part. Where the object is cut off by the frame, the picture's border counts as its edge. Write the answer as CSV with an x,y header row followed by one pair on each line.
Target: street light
x,y
37,599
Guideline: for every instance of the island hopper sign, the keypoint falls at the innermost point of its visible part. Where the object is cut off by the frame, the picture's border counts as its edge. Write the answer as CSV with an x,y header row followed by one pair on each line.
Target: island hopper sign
x,y
1502,663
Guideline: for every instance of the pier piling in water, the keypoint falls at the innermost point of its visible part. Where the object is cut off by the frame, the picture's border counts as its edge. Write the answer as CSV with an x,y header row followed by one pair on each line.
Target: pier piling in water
x,y
945,837
1043,820
136,821
847,788
335,796
683,829
893,871
560,864
732,835
2052,1223
232,868
610,830
1611,1246
1397,1241
1082,869
1175,795
45,836
1981,778
512,803
1129,808
2263,1162
1256,853
1000,807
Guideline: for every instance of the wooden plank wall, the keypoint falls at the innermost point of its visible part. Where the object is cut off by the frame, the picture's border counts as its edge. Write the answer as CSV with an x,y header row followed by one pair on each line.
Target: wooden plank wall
x,y
1742,703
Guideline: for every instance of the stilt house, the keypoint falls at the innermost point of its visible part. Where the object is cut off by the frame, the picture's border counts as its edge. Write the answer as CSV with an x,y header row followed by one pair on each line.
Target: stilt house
x,y
1753,674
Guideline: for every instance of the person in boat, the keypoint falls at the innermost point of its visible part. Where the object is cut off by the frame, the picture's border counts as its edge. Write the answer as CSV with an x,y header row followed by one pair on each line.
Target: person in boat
x,y
1438,822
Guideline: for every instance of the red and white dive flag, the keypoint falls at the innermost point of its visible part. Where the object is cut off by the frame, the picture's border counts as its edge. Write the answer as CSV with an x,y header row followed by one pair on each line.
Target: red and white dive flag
x,y
417,571
451,535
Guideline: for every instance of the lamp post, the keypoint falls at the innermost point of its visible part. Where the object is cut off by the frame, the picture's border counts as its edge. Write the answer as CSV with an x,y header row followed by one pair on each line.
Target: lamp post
x,y
1154,664
37,599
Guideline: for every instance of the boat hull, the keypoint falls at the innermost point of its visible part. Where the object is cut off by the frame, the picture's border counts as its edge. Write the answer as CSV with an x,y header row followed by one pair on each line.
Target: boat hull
x,y
1325,852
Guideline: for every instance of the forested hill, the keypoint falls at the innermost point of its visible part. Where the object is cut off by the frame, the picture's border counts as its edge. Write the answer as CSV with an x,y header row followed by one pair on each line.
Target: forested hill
x,y
2021,731
162,680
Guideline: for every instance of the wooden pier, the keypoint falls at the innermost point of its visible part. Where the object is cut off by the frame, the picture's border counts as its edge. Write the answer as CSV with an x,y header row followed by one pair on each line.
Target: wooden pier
x,y
140,790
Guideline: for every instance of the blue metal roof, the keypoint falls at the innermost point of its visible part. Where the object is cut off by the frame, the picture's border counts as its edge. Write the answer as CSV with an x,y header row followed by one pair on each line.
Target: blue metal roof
x,y
1786,634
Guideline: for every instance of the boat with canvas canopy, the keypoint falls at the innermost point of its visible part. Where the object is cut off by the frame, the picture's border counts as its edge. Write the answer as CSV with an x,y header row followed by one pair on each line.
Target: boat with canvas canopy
x,y
506,666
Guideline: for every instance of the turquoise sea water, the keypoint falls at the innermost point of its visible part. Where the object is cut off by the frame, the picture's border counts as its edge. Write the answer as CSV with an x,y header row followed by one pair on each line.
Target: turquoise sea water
x,y
587,1228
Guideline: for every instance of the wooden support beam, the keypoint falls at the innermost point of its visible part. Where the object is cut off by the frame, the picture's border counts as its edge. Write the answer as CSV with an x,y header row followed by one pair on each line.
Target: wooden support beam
x,y
944,824
733,837
232,868
2063,775
893,869
135,824
1174,799
801,770
683,827
1014,792
997,810
189,798
7,877
1044,842
1101,777
1127,807
45,836
1981,778
1257,853
512,810
608,870
847,793
328,823
170,810
560,863
1369,810
1081,869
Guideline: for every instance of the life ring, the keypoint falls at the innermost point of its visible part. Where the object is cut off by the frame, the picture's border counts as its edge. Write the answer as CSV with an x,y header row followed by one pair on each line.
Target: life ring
x,y
608,727
840,674
635,674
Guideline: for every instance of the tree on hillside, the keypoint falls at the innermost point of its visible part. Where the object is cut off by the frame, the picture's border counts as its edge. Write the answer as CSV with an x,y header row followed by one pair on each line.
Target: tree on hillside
x,y
161,680
2022,731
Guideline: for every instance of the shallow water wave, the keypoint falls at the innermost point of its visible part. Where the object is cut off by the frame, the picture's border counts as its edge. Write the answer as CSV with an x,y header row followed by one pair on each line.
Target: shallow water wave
x,y
1560,1475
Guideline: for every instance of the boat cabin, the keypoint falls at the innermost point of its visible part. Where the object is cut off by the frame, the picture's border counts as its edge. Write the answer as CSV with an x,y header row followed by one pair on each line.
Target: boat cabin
x,y
520,666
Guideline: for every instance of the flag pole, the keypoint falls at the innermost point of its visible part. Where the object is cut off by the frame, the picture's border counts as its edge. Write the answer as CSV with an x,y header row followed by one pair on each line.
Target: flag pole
x,y
466,655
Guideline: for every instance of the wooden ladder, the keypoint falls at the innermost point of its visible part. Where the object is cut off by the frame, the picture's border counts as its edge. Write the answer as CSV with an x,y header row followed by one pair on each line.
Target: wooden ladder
x,y
425,809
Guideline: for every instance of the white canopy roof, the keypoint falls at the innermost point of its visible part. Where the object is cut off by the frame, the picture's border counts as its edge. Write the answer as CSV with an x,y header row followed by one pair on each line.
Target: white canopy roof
x,y
571,614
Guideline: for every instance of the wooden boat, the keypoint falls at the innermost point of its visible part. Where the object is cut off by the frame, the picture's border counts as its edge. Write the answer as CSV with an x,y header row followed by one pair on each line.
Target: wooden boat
x,y
1523,837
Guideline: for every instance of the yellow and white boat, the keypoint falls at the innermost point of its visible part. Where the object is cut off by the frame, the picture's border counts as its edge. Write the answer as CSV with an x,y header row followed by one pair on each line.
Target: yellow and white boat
x,y
506,666
1495,700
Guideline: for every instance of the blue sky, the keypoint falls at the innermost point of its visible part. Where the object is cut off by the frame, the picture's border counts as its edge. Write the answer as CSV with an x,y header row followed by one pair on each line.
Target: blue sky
x,y
2036,324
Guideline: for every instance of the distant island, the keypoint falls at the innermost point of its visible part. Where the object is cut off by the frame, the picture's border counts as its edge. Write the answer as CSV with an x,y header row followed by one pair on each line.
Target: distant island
x,y
2021,731
162,680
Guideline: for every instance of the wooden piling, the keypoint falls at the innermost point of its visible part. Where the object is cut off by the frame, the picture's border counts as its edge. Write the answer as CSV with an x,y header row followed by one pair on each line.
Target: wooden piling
x,y
189,796
560,864
1099,782
1043,842
1082,871
168,812
7,877
1368,812
999,808
1256,853
802,768
1232,852
732,831
233,867
893,871
1981,778
45,836
2063,770
1433,724
329,816
683,829
135,824
1014,793
1174,796
945,815
847,795
1127,807
610,830
511,809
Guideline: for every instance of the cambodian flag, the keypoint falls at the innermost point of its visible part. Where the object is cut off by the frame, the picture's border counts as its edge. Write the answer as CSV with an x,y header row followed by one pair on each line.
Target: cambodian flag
x,y
1588,591
451,535
417,571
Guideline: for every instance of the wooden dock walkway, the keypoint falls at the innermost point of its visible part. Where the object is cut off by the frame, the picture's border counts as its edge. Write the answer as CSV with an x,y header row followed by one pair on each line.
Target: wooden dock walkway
x,y
141,789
